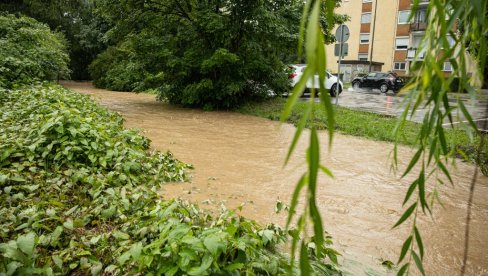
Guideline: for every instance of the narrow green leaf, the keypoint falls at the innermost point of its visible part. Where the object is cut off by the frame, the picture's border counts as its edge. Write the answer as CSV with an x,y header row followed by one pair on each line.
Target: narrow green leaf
x,y
445,171
418,262
304,261
432,151
442,139
407,214
420,244
318,228
326,171
301,35
421,188
403,270
294,200
405,248
467,115
447,106
311,36
410,191
301,125
296,93
414,161
314,155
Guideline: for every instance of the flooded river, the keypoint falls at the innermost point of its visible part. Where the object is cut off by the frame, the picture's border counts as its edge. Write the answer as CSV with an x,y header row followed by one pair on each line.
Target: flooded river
x,y
238,159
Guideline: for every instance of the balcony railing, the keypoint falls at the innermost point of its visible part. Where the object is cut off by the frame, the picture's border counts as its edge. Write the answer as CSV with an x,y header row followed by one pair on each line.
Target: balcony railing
x,y
412,52
418,26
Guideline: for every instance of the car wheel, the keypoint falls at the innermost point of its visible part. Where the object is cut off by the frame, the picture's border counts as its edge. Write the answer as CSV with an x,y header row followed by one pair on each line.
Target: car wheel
x,y
384,88
355,85
333,90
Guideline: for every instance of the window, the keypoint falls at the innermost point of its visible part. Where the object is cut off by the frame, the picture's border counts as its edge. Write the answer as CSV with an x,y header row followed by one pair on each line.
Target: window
x,y
447,67
400,66
362,56
420,16
403,17
367,1
366,17
363,38
401,43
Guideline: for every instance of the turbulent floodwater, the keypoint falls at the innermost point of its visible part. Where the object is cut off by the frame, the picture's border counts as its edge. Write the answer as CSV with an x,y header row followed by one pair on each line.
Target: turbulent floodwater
x,y
238,159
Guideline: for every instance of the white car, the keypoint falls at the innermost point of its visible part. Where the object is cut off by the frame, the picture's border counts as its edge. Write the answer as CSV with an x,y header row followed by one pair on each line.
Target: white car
x,y
330,80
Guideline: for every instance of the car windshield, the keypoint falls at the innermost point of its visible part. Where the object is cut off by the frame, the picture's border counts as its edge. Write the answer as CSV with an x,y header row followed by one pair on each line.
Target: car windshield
x,y
371,75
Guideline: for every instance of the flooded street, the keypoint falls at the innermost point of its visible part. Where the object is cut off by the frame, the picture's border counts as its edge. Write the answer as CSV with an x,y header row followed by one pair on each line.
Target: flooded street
x,y
238,159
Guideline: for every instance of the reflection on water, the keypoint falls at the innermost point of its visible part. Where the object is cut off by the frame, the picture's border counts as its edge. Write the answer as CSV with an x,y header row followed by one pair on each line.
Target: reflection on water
x,y
238,160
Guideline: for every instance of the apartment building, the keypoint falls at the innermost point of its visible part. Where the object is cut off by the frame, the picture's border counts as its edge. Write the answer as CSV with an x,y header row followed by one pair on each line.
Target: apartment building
x,y
381,37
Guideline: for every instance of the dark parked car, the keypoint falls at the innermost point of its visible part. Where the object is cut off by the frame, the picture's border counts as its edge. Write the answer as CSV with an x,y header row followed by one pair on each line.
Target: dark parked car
x,y
379,80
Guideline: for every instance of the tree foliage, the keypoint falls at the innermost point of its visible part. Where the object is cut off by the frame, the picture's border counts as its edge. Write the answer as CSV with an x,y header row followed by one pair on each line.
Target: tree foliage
x,y
75,19
212,54
30,51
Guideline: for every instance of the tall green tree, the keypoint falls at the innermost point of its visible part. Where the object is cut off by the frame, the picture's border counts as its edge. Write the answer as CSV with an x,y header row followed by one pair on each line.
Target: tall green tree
x,y
211,54
75,19
30,51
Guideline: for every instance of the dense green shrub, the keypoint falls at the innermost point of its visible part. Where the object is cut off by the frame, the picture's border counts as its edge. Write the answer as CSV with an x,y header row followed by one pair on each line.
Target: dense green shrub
x,y
80,195
30,51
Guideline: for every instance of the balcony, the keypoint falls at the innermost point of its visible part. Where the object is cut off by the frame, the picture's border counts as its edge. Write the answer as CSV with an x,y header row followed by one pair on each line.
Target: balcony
x,y
415,54
418,26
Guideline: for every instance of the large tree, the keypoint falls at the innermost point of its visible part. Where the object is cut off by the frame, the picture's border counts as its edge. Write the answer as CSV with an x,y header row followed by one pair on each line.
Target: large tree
x,y
30,51
211,54
75,19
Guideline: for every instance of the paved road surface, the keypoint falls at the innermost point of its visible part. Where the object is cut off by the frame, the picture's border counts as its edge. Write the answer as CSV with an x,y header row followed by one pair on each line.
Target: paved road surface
x,y
392,104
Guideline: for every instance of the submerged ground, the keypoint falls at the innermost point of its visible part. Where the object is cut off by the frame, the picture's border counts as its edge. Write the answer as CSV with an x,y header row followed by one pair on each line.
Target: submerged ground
x,y
238,159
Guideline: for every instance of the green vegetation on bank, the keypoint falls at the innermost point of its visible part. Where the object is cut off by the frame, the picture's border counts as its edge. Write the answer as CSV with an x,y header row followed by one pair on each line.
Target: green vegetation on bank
x,y
80,195
29,51
368,125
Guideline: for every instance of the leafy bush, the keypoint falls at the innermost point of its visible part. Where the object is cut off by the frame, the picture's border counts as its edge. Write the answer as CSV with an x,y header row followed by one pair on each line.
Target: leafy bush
x,y
80,195
30,51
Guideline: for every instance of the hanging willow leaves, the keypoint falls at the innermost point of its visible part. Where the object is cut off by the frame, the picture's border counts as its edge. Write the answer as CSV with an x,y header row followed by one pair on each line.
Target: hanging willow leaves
x,y
313,36
456,34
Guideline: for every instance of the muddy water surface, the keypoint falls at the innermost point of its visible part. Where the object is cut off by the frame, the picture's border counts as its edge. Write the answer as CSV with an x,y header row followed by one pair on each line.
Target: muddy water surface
x,y
238,160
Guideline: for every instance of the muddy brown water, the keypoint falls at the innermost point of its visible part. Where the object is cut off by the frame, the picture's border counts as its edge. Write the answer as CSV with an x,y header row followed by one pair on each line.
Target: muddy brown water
x,y
238,159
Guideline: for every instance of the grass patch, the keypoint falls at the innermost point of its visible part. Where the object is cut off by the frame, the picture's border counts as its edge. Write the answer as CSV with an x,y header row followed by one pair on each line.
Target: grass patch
x,y
369,125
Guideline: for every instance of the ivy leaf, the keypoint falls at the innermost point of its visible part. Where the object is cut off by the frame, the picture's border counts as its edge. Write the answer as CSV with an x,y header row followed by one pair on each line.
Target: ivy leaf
x,y
214,244
58,261
12,267
120,235
26,243
203,268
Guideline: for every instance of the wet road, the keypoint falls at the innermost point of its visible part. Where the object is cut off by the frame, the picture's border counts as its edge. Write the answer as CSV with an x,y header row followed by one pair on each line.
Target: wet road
x,y
392,104
238,159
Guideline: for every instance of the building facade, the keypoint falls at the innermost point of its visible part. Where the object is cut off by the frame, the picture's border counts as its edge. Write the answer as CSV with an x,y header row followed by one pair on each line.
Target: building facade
x,y
382,38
